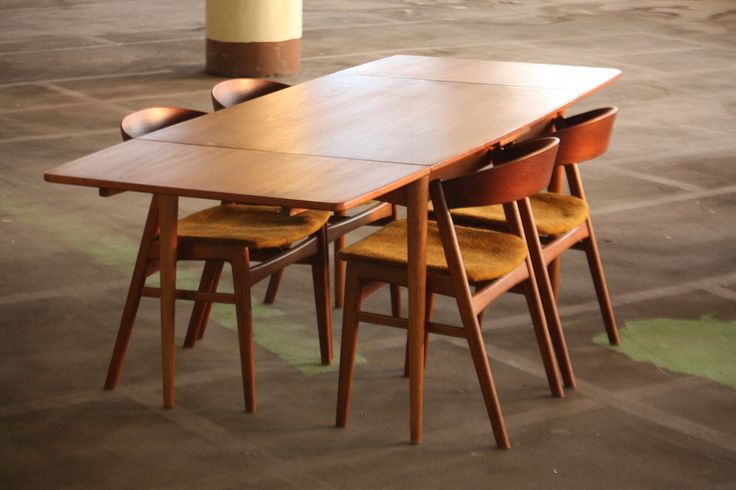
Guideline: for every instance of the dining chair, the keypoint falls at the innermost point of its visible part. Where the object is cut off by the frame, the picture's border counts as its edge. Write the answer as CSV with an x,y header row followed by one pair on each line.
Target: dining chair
x,y
151,119
472,265
234,233
563,220
237,90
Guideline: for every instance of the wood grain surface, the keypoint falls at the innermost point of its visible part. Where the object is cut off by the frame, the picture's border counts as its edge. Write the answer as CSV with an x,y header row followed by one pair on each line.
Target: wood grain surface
x,y
371,118
580,79
299,181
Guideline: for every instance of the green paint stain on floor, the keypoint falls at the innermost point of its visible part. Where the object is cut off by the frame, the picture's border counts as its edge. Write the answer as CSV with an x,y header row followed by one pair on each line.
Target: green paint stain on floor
x,y
272,330
704,347
101,246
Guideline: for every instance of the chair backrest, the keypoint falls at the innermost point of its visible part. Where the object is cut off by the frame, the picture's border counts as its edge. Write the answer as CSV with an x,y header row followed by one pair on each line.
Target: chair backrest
x,y
518,171
584,136
232,92
151,119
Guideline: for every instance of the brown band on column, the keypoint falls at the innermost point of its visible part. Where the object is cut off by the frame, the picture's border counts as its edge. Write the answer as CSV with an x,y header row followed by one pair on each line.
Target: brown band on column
x,y
257,59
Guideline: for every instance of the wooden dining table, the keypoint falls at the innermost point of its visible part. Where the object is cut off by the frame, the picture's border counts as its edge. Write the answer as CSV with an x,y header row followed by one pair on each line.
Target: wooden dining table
x,y
381,130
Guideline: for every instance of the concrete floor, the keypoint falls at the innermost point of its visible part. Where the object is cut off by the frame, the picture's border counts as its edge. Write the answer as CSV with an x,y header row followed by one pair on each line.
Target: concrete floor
x,y
664,201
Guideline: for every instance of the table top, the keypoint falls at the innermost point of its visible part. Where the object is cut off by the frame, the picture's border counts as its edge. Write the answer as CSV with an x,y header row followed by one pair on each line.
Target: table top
x,y
398,120
208,172
339,140
579,79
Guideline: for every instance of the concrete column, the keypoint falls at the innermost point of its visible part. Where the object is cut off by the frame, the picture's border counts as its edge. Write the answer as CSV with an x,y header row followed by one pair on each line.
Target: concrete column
x,y
254,38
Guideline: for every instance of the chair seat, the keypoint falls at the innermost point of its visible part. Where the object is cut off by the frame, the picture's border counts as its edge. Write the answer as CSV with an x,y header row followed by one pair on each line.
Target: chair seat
x,y
257,227
487,254
554,213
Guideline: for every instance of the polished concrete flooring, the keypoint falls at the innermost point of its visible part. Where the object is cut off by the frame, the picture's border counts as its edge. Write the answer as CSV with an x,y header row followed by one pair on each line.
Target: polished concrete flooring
x,y
664,201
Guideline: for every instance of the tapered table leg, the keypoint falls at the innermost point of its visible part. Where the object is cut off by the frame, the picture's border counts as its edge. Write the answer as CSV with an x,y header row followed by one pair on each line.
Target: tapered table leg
x,y
168,209
416,203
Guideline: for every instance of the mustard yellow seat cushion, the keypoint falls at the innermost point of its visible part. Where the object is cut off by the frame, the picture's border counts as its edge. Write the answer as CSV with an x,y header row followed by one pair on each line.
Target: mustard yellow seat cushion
x,y
486,254
554,213
258,227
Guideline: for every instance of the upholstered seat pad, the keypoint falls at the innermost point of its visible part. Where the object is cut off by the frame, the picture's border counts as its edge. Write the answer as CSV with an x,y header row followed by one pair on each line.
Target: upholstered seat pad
x,y
554,213
486,254
258,227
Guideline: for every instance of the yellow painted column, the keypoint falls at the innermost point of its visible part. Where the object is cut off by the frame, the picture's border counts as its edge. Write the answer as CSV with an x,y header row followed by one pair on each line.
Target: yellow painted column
x,y
254,38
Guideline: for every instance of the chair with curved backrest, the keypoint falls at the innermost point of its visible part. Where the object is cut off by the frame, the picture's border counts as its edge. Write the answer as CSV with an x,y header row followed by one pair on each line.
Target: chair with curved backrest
x,y
237,90
227,94
151,119
564,220
234,233
460,259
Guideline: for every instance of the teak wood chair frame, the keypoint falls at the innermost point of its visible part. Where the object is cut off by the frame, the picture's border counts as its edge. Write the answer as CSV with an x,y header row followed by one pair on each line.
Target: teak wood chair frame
x,y
311,250
227,94
527,171
238,90
583,137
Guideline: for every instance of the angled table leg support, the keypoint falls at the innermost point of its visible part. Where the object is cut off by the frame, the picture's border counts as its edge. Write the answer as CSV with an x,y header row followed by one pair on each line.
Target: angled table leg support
x,y
416,203
168,209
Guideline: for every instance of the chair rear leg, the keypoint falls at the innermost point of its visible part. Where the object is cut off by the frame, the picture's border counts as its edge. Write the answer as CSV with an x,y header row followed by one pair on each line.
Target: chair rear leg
x,y
601,289
395,289
273,287
243,310
321,286
553,325
348,346
549,326
395,292
556,185
554,278
536,311
339,283
201,310
133,300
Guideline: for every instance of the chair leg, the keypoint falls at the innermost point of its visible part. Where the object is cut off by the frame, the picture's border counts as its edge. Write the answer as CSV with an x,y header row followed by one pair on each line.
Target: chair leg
x,y
485,378
273,287
201,310
339,273
395,289
395,300
130,311
554,278
542,289
321,286
553,326
481,314
555,332
348,346
339,284
243,311
536,311
137,282
556,185
601,289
